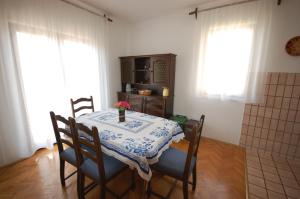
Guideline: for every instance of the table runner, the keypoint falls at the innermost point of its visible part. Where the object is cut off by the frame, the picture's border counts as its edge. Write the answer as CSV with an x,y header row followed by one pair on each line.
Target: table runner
x,y
138,142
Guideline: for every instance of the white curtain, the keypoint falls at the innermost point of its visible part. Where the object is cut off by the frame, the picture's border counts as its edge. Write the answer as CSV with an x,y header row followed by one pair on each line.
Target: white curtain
x,y
231,51
50,52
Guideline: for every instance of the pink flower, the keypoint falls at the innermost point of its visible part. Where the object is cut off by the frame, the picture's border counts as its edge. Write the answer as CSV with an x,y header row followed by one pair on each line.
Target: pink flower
x,y
122,105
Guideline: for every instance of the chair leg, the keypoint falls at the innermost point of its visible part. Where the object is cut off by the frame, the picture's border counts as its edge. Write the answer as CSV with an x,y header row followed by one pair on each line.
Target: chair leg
x,y
133,180
148,191
194,178
80,185
102,194
185,190
62,172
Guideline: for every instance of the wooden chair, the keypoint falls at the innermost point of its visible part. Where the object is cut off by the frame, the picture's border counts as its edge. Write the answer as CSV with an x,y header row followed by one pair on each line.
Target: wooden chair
x,y
67,153
180,165
80,108
98,166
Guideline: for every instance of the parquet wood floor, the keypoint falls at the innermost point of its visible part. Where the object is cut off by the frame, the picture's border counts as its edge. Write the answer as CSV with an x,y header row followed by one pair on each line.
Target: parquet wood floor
x,y
221,175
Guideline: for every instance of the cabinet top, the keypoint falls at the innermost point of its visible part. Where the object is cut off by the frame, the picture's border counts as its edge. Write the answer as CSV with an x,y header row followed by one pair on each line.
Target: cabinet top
x,y
169,54
149,96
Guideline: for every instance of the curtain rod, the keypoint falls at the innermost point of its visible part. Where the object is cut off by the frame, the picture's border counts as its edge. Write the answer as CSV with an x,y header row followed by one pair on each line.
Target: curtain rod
x,y
90,11
196,11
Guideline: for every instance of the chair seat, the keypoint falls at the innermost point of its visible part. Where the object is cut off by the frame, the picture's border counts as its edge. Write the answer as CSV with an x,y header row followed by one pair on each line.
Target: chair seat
x,y
69,156
112,166
172,162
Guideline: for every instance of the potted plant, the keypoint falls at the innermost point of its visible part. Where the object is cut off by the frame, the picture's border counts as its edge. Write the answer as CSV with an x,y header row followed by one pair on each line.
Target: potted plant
x,y
122,106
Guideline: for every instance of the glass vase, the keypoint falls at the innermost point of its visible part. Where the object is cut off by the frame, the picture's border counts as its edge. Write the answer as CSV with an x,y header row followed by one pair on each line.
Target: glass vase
x,y
121,115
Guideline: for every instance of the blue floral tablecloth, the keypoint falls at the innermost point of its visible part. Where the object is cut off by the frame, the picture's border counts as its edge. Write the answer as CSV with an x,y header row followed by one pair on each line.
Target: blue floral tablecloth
x,y
138,142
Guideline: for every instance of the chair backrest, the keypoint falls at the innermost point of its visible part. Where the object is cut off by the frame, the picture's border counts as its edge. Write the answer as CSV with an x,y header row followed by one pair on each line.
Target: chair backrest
x,y
67,137
198,134
76,106
88,139
194,144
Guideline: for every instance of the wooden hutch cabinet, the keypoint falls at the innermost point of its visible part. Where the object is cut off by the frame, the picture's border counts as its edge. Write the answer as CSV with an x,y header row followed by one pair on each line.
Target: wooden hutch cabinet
x,y
151,72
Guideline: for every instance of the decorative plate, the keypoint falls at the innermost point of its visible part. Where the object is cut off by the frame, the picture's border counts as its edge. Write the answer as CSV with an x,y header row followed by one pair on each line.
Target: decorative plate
x,y
293,46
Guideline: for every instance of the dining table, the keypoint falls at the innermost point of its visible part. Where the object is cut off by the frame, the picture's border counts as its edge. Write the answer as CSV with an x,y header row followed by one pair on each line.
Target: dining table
x,y
139,141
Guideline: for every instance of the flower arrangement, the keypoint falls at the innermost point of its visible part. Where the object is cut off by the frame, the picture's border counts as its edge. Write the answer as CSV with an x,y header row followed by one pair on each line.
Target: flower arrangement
x,y
122,105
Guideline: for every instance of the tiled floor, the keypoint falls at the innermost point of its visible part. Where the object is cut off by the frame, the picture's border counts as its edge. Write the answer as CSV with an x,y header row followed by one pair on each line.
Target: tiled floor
x,y
272,177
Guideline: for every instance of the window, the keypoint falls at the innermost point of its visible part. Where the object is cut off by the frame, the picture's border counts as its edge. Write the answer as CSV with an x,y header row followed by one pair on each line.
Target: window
x,y
54,68
230,57
226,60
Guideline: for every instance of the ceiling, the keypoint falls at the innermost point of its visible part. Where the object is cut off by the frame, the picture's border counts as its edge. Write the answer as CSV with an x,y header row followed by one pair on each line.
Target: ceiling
x,y
139,10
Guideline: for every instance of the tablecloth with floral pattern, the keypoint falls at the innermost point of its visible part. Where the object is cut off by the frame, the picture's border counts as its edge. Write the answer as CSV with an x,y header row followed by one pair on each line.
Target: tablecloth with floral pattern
x,y
138,142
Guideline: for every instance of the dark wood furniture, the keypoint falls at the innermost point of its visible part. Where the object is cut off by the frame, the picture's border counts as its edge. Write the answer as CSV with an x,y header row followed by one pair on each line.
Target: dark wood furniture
x,y
180,165
136,102
152,105
75,105
91,162
149,72
67,153
155,105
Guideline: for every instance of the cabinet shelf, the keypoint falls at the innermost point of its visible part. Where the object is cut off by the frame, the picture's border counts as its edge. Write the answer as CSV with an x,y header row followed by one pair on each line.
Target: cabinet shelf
x,y
147,70
150,72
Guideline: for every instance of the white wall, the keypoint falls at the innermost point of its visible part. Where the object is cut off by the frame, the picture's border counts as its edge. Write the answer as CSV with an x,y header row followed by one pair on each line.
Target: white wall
x,y
174,34
118,46
285,26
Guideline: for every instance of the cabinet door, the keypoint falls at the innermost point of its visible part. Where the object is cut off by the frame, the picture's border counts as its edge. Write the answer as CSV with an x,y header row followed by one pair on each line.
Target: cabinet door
x,y
155,106
136,102
161,70
122,96
127,74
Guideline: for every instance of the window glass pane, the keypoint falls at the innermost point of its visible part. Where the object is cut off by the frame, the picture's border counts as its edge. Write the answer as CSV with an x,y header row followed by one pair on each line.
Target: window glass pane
x,y
53,69
42,79
80,62
227,56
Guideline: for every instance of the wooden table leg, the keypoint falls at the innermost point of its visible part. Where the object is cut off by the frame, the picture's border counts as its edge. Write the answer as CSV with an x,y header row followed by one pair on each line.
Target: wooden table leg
x,y
144,190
